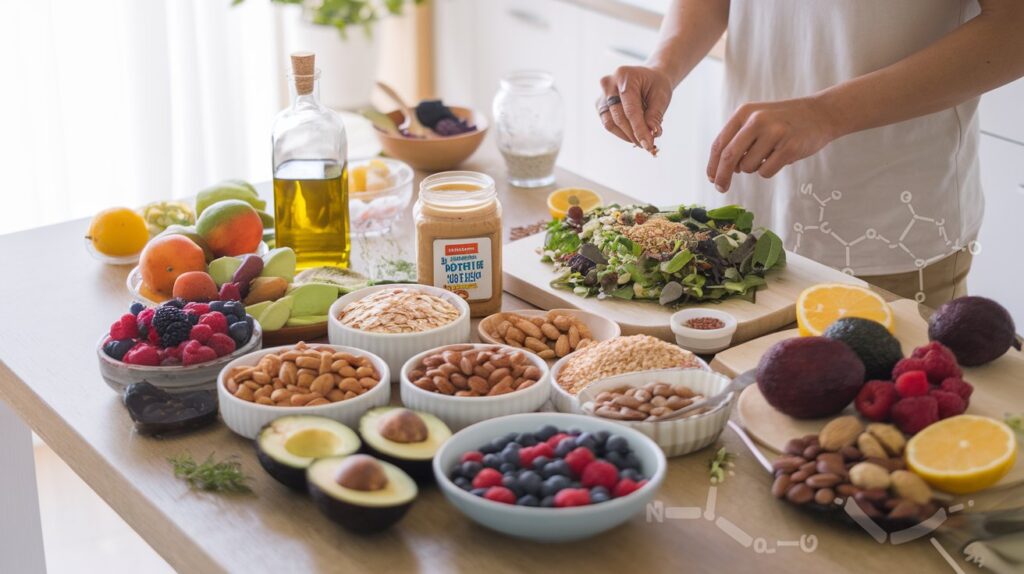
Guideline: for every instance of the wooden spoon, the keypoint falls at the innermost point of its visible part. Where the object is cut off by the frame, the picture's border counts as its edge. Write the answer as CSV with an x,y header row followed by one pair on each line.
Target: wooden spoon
x,y
410,123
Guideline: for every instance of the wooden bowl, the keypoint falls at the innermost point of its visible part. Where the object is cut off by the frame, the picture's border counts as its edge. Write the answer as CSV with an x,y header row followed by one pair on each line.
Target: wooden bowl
x,y
292,335
439,153
602,328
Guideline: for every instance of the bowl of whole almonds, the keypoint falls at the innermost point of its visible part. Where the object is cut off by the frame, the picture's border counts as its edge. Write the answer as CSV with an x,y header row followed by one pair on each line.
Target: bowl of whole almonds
x,y
549,334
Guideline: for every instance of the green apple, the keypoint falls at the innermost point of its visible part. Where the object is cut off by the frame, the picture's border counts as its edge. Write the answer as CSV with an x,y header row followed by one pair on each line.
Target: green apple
x,y
306,320
313,298
279,262
222,269
276,315
256,308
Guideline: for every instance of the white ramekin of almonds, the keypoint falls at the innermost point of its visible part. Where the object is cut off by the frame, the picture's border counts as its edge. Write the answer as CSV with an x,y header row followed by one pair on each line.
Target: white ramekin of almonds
x,y
398,321
465,384
639,399
332,381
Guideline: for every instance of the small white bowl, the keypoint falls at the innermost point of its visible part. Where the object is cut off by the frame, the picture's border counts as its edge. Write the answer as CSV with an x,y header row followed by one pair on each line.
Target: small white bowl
x,y
178,379
601,328
566,402
372,213
702,341
246,419
680,436
396,348
459,412
548,524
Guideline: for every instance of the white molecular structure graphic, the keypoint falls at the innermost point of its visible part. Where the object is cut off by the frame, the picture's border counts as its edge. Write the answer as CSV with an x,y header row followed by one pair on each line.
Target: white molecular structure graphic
x,y
870,234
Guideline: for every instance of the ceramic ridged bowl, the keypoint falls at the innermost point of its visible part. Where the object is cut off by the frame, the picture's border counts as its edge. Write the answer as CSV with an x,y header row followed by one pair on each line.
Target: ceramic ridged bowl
x,y
178,379
437,153
548,524
601,328
566,402
396,348
459,412
246,419
680,436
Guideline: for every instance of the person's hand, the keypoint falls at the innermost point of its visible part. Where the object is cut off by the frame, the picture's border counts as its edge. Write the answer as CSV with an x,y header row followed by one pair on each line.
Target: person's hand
x,y
765,137
634,103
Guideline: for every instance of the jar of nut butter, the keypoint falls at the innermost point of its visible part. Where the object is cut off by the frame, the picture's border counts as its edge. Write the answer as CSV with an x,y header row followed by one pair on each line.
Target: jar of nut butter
x,y
458,238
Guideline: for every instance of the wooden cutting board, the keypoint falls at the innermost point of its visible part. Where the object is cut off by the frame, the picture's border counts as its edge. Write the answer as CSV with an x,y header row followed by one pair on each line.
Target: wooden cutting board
x,y
998,386
526,277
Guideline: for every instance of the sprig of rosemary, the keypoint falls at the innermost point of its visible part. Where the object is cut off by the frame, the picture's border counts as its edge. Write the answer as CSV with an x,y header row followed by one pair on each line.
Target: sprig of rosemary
x,y
210,475
1016,422
720,465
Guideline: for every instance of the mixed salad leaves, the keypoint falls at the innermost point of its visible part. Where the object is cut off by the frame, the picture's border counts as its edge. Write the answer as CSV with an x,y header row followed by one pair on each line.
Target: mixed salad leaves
x,y
674,256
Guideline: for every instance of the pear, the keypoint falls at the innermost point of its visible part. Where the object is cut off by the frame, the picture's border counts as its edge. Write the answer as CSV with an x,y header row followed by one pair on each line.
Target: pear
x,y
222,269
279,262
276,315
313,298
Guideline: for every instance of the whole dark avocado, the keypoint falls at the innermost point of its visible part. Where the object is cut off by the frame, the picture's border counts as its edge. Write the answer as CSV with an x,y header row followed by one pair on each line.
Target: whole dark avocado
x,y
157,412
873,343
810,377
978,330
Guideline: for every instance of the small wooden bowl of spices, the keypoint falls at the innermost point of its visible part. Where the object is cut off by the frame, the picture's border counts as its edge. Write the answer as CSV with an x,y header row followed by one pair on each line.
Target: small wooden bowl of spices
x,y
703,330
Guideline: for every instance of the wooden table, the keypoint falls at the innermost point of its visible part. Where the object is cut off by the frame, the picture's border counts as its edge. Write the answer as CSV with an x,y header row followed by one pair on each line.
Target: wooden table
x,y
56,301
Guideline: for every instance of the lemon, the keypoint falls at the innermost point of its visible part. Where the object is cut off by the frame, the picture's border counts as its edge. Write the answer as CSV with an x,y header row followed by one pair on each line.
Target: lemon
x,y
118,232
963,454
819,306
560,200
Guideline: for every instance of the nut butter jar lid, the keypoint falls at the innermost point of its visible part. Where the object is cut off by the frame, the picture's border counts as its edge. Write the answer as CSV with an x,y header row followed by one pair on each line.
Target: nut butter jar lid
x,y
458,191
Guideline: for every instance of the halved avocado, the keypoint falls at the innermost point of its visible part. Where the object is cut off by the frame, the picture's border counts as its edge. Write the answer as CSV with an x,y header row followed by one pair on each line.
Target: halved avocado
x,y
406,438
288,445
359,492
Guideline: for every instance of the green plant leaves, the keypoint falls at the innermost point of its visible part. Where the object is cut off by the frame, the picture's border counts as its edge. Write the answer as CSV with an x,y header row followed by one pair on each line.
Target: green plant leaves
x,y
677,262
768,251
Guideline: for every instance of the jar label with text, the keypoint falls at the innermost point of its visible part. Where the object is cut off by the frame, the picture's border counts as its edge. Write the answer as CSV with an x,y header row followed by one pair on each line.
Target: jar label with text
x,y
463,266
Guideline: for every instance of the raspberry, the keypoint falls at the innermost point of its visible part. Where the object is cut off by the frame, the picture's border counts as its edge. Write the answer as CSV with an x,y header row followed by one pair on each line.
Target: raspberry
x,y
217,321
529,453
912,384
143,354
197,308
600,473
875,400
907,365
626,486
958,386
145,320
500,494
125,328
572,497
221,344
153,338
472,456
230,292
950,403
201,333
913,414
555,439
486,478
578,459
935,359
200,354
176,351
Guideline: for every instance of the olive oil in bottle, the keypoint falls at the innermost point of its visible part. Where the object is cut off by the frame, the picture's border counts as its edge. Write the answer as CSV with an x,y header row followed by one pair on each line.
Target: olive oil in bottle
x,y
310,175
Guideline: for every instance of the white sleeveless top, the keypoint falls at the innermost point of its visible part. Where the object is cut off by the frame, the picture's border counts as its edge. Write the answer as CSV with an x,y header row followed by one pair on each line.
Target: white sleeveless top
x,y
880,201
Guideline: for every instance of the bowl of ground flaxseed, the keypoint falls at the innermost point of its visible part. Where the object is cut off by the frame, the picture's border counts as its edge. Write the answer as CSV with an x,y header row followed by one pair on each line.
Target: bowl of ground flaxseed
x,y
398,321
703,330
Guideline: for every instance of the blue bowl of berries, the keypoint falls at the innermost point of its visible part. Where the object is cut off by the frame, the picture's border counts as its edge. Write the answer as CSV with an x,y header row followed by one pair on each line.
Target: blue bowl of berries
x,y
175,346
549,477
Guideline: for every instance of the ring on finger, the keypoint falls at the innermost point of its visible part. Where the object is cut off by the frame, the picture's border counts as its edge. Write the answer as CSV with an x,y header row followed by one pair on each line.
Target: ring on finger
x,y
602,110
612,101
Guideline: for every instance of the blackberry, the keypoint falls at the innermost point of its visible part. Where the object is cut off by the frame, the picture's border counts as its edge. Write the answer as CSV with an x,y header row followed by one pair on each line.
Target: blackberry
x,y
581,264
175,334
166,316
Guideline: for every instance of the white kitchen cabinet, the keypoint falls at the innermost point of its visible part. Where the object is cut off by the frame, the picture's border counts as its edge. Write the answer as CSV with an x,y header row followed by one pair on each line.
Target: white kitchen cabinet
x,y
1002,111
996,271
454,64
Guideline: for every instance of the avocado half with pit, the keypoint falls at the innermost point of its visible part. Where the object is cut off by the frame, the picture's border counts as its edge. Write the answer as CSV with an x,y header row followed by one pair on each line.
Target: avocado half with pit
x,y
408,439
359,492
288,445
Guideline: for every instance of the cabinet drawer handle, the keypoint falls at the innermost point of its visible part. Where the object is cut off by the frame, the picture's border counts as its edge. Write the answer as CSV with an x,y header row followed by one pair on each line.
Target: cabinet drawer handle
x,y
528,18
628,53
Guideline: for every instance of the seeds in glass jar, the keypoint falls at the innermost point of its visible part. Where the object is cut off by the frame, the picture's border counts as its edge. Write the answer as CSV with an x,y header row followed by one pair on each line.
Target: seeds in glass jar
x,y
530,166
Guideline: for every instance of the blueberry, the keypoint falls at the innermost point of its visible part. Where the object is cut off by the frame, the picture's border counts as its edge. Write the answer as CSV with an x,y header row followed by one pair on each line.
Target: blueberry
x,y
530,482
510,482
575,484
632,474
617,443
118,348
631,461
492,460
599,490
136,308
554,484
507,467
528,500
556,468
540,461
470,468
547,502
510,455
463,483
596,497
235,308
478,491
587,440
240,332
602,437
217,306
546,432
616,458
250,321
565,447
500,443
527,439
488,448
574,431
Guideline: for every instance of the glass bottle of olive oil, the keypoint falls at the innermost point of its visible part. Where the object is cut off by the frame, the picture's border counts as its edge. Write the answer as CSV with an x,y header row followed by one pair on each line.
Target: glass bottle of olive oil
x,y
310,175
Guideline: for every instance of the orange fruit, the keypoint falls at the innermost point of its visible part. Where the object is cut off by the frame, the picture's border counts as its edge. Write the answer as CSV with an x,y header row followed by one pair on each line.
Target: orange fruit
x,y
167,257
963,454
195,286
118,232
560,200
819,306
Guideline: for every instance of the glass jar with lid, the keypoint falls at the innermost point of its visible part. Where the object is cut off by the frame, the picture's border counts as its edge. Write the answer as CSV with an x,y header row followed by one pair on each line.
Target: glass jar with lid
x,y
458,238
530,120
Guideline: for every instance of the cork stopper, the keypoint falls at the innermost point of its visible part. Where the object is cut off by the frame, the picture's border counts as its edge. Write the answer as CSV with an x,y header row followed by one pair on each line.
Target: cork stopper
x,y
303,70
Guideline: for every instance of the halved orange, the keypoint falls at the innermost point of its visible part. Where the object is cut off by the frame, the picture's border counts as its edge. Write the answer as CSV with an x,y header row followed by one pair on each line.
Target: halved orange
x,y
820,306
560,200
963,454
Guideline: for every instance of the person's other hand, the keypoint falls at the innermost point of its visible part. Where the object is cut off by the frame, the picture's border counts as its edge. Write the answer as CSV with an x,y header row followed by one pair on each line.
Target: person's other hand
x,y
765,137
643,95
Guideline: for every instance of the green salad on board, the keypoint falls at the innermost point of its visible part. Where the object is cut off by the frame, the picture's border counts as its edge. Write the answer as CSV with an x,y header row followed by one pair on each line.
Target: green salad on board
x,y
674,256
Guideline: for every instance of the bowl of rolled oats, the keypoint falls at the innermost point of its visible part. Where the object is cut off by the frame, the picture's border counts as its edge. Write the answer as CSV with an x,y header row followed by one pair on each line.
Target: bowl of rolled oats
x,y
398,321
616,356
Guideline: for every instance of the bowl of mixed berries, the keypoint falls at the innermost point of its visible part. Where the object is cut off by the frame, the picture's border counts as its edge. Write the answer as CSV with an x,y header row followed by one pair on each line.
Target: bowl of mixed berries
x,y
176,346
